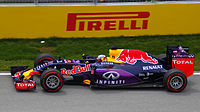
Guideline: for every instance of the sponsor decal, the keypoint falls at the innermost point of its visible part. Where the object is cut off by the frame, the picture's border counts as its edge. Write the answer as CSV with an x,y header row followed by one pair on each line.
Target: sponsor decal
x,y
184,56
59,61
111,79
108,21
154,67
41,66
111,75
87,82
182,62
110,82
76,70
67,61
107,63
25,85
132,56
145,74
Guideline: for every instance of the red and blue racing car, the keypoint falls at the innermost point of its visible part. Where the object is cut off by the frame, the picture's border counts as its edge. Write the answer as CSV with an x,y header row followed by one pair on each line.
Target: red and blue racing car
x,y
123,68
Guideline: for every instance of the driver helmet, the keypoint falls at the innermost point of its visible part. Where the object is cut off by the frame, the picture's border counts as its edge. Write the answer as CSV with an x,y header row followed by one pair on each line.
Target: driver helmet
x,y
101,58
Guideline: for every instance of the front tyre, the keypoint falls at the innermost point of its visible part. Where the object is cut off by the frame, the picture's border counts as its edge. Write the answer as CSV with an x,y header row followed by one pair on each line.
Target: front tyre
x,y
51,80
175,80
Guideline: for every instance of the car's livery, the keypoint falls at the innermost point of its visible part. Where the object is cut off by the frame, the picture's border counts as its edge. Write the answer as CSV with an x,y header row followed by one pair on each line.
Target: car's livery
x,y
123,68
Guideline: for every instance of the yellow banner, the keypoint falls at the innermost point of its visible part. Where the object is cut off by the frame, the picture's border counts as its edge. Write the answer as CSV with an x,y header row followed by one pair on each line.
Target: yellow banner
x,y
99,21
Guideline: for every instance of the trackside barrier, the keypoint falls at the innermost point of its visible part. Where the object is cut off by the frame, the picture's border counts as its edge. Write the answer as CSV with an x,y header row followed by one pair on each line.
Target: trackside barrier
x,y
99,21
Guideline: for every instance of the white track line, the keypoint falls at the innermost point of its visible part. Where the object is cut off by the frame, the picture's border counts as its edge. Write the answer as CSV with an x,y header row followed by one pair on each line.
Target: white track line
x,y
7,73
196,73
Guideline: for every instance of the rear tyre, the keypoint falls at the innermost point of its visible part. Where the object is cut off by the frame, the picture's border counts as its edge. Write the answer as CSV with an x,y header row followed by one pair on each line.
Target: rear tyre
x,y
51,80
175,80
43,58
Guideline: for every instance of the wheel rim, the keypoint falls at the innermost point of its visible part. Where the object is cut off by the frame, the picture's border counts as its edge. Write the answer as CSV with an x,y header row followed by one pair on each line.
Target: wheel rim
x,y
176,82
52,81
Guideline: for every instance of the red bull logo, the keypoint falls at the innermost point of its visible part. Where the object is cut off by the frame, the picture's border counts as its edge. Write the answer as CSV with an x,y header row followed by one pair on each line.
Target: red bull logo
x,y
107,21
76,70
132,56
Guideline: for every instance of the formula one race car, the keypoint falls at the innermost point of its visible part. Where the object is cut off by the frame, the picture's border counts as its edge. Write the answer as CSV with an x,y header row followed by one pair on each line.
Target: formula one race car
x,y
123,68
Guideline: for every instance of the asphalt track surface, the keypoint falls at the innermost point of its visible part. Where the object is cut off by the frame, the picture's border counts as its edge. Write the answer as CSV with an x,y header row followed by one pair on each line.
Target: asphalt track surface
x,y
78,98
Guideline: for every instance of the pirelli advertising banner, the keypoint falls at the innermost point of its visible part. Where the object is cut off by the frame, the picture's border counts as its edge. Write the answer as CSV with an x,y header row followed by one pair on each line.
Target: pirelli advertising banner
x,y
99,21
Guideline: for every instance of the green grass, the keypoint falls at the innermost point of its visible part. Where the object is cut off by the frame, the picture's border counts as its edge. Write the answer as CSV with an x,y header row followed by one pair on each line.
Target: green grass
x,y
23,51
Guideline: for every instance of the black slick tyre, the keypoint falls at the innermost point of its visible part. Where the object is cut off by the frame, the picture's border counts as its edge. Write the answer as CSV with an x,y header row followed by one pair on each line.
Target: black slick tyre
x,y
51,80
175,80
43,58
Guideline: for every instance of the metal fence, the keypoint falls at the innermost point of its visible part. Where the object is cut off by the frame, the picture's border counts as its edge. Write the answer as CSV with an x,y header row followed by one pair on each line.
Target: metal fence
x,y
83,1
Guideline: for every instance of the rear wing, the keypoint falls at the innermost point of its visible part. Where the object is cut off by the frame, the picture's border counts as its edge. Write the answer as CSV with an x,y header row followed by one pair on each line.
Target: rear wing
x,y
180,58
